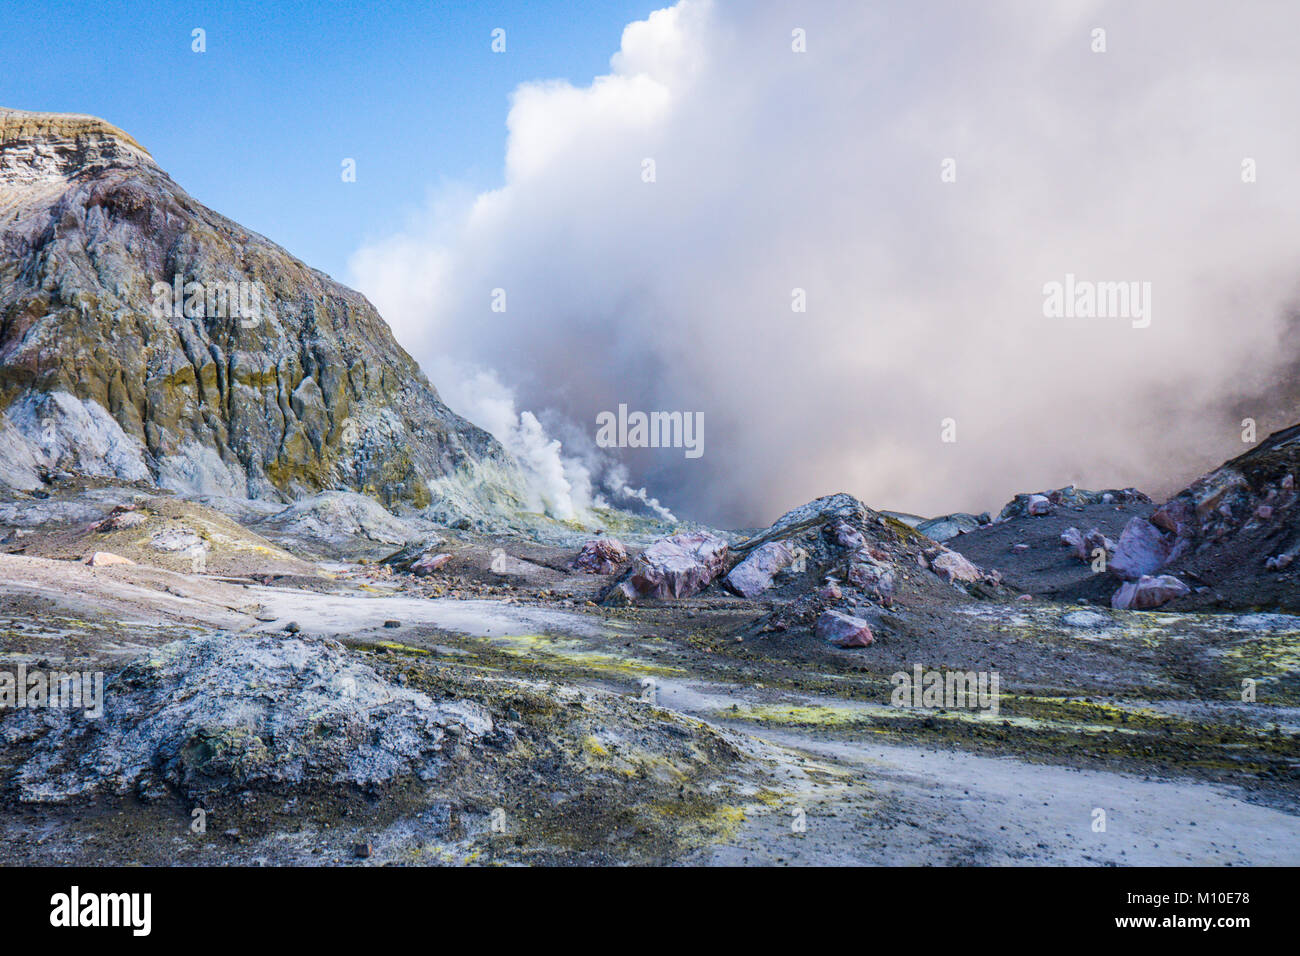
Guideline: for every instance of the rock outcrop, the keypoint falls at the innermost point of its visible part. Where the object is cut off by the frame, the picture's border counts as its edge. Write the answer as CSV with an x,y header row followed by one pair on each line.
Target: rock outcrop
x,y
1234,532
674,567
220,714
145,337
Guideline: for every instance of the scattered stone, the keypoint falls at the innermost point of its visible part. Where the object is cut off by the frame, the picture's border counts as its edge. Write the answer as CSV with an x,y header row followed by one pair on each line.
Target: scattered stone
x,y
830,592
178,539
1072,538
362,851
954,568
121,518
950,526
107,559
847,536
428,563
1038,505
1148,592
601,556
391,624
872,577
752,576
844,630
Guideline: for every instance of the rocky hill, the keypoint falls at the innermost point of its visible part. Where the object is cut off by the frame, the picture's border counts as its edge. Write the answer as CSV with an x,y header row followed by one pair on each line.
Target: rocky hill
x,y
147,338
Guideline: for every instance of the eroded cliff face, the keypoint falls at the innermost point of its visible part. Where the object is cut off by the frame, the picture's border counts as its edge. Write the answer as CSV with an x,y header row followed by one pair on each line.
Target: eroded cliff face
x,y
263,378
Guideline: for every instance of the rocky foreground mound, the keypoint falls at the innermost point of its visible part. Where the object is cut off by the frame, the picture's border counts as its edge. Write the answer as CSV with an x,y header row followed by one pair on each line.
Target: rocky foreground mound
x,y
220,714
146,338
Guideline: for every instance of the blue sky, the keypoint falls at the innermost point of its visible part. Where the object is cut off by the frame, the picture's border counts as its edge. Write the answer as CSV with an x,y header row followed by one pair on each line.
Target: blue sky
x,y
257,126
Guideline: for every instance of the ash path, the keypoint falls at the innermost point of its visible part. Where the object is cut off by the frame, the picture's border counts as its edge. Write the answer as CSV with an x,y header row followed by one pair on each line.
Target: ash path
x,y
880,803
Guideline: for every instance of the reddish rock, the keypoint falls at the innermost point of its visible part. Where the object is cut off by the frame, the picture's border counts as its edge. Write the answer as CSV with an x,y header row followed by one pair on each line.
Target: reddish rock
x,y
953,567
1142,549
844,630
1072,538
847,536
754,575
676,567
601,556
1148,592
427,563
121,517
876,579
831,592
106,559
1038,505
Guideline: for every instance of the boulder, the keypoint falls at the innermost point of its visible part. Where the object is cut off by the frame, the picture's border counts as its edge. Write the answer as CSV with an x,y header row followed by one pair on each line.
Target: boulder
x,y
1038,505
949,526
1094,539
106,559
953,567
600,556
121,518
874,578
1148,592
1142,549
427,563
754,575
844,630
1072,538
676,567
847,536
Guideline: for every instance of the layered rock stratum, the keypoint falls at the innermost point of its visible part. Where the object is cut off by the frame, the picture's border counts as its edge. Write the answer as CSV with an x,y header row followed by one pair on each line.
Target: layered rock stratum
x,y
272,382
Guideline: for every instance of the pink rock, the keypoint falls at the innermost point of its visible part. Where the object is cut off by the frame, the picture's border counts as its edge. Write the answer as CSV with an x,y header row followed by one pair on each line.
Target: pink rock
x,y
830,592
1288,481
601,556
427,563
1072,538
1142,549
871,577
844,630
952,566
753,576
847,536
1025,597
121,517
1264,511
1019,548
1038,505
106,559
1148,592
676,567
1094,539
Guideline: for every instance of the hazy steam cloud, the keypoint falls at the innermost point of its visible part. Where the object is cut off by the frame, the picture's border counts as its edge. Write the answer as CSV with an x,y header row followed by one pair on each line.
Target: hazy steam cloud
x,y
823,171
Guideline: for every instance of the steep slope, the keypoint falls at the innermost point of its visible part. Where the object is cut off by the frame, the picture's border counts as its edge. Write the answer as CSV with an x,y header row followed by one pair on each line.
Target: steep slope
x,y
145,337
1235,532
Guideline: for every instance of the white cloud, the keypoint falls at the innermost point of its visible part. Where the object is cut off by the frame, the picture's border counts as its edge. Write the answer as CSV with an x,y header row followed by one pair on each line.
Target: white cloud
x,y
821,170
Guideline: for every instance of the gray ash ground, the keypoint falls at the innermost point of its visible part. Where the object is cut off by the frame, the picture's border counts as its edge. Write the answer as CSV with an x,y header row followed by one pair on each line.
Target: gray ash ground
x,y
692,730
